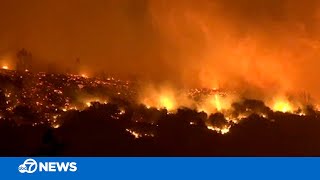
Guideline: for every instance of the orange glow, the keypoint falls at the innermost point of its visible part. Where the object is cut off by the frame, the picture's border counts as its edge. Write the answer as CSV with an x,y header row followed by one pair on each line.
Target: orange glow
x,y
84,75
166,102
55,126
134,133
5,67
160,99
282,106
217,102
88,104
122,111
223,130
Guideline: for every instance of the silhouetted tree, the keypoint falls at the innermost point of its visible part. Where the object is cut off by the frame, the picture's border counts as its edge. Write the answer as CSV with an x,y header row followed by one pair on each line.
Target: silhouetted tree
x,y
24,60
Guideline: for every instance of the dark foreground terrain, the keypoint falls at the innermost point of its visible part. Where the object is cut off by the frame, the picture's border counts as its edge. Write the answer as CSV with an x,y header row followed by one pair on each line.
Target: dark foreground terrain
x,y
98,131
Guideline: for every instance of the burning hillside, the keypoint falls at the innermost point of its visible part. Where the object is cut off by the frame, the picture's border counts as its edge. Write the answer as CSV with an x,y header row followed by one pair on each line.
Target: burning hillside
x,y
165,77
41,100
51,94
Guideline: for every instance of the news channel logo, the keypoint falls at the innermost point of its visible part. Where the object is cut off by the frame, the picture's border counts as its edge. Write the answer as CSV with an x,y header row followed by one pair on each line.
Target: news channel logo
x,y
30,166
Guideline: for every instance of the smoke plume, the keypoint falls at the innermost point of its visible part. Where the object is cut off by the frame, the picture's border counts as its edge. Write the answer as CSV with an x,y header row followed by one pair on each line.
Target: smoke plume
x,y
261,48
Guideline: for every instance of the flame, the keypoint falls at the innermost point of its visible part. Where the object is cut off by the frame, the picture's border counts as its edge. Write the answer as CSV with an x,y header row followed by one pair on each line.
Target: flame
x,y
164,98
134,133
55,126
217,102
84,75
282,106
88,104
223,130
5,67
122,111
166,102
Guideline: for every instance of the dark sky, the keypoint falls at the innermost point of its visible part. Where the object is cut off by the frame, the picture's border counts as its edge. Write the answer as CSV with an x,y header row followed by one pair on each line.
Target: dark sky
x,y
194,42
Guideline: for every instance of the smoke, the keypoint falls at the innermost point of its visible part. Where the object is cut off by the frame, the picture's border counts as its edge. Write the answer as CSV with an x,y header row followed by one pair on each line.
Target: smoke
x,y
260,48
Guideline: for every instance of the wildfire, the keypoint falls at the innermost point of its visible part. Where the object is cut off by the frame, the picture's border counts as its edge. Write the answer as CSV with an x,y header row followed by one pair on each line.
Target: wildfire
x,y
217,102
5,67
166,102
55,126
88,104
133,133
223,130
122,111
84,75
282,106
163,99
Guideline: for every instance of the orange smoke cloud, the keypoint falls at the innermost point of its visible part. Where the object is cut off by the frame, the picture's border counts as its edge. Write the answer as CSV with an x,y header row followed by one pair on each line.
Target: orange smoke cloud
x,y
222,44
259,48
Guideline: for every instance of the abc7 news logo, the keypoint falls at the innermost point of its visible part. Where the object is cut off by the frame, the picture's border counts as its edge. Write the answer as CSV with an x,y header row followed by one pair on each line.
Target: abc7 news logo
x,y
28,166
